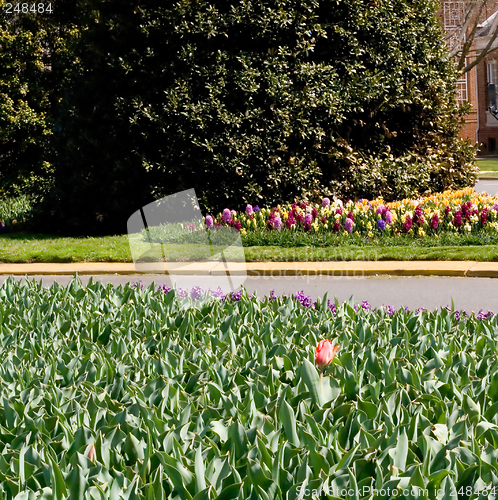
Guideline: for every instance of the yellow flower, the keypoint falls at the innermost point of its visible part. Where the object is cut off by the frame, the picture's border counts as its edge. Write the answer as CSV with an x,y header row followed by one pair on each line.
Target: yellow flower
x,y
369,225
243,231
421,232
370,234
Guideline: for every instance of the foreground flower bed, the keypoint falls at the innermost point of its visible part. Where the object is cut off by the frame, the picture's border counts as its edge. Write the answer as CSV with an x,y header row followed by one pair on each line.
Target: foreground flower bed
x,y
134,393
464,211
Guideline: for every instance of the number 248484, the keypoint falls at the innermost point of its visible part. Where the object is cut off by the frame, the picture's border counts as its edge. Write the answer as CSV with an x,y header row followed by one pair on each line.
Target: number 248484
x,y
26,8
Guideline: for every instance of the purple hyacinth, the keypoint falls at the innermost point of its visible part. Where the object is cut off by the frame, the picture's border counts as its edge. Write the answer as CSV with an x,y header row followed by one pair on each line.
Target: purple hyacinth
x,y
249,209
227,215
218,293
332,307
256,208
389,217
381,224
308,219
326,202
303,298
209,221
196,293
348,225
277,223
135,285
365,305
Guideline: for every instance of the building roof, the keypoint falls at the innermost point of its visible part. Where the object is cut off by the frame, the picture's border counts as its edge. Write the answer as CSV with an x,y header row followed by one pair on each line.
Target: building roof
x,y
485,27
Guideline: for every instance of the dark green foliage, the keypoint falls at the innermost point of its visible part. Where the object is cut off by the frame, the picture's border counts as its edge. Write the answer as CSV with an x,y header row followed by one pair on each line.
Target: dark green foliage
x,y
250,103
25,85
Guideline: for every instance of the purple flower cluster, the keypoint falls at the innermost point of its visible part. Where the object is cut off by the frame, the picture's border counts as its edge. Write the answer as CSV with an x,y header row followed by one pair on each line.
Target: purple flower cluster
x,y
386,217
332,307
407,225
303,298
196,293
418,217
227,215
434,221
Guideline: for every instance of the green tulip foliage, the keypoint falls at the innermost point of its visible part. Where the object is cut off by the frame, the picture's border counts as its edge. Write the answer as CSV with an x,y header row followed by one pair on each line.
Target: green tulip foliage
x,y
122,393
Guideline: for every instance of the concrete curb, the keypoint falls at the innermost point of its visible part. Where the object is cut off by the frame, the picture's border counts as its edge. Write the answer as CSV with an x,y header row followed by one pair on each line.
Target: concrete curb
x,y
334,268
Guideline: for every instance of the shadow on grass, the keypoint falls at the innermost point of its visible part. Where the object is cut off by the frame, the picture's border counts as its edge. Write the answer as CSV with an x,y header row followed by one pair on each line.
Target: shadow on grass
x,y
30,236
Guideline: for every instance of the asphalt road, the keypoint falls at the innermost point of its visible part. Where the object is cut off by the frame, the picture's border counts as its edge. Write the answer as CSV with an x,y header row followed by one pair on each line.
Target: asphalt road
x,y
470,294
490,187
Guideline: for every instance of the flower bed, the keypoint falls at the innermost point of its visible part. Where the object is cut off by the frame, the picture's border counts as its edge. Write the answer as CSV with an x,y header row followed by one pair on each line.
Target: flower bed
x,y
464,211
122,392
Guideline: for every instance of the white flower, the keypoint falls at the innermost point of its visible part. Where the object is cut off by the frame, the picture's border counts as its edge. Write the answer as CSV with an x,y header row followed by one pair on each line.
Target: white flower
x,y
474,218
337,216
467,227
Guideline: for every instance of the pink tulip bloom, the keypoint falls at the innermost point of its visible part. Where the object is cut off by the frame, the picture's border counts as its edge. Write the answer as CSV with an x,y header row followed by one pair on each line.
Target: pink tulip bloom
x,y
325,353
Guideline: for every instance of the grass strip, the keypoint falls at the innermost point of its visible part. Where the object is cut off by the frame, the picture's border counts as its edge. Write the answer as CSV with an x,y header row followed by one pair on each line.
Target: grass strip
x,y
32,248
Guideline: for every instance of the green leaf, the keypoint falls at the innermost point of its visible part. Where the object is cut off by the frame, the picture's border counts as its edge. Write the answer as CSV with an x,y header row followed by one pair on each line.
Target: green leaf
x,y
200,483
288,419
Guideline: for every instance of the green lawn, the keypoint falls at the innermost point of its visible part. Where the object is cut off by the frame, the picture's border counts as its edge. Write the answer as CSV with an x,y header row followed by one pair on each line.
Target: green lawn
x,y
16,248
488,167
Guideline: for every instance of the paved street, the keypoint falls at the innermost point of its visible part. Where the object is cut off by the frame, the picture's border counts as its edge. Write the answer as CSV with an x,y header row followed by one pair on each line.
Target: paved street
x,y
490,187
470,294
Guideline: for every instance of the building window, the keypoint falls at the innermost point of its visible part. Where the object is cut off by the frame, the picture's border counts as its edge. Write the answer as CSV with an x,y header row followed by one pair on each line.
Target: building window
x,y
461,94
491,71
453,14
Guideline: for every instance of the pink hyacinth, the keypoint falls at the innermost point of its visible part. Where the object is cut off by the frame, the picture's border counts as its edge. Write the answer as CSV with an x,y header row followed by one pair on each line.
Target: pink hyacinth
x,y
277,223
389,217
381,209
326,202
249,209
348,225
209,221
227,216
308,219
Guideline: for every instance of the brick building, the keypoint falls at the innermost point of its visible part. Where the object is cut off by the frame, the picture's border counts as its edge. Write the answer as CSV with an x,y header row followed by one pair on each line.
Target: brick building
x,y
487,85
480,125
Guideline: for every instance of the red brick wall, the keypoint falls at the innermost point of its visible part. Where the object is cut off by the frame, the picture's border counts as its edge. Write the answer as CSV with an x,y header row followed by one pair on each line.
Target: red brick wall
x,y
488,126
